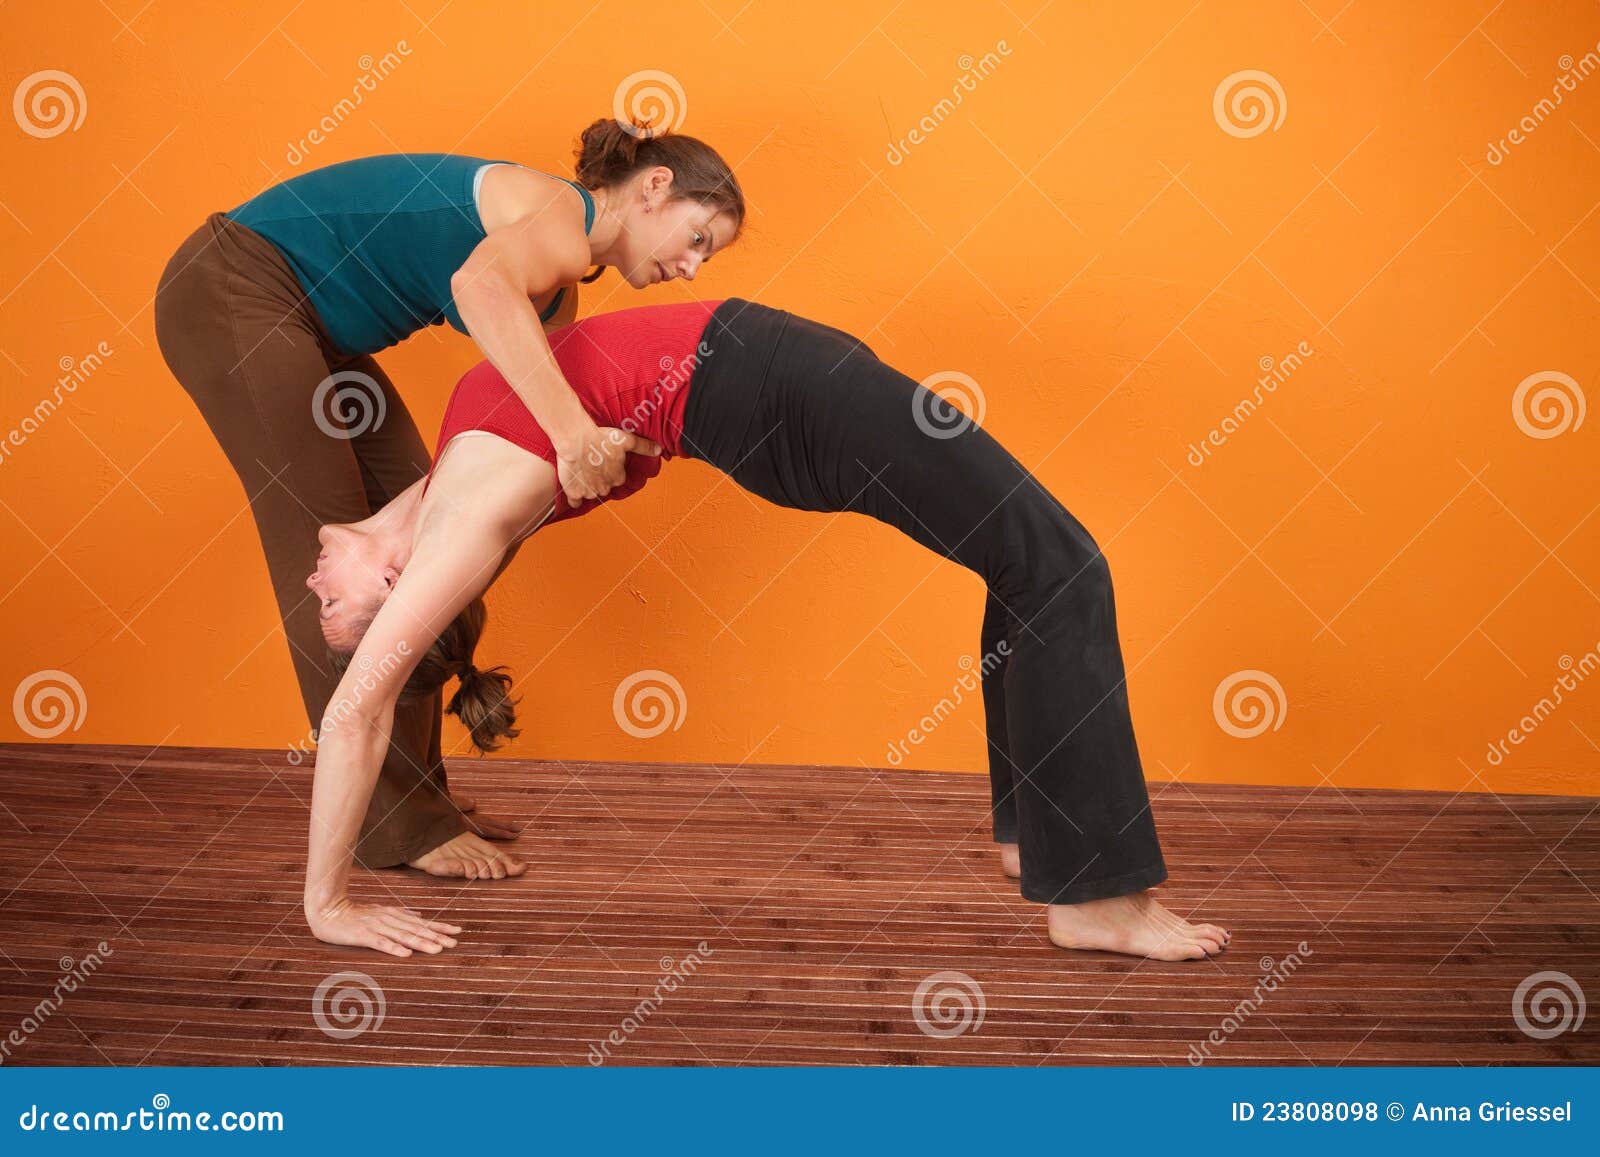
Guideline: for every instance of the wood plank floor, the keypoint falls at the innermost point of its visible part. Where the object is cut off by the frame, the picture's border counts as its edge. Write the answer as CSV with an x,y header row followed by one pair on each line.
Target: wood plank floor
x,y
824,896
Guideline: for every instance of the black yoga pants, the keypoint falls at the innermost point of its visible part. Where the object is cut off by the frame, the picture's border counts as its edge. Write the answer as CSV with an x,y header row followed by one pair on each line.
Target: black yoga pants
x,y
806,416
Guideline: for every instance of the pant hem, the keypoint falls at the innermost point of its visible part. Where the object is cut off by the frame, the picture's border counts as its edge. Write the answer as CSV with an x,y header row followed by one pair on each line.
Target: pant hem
x,y
442,830
1081,892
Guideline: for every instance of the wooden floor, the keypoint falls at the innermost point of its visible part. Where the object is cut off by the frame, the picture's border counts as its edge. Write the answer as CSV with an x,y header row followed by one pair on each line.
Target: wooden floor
x,y
825,896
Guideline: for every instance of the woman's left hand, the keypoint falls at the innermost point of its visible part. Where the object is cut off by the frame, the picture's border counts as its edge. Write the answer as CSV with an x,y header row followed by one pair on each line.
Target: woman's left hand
x,y
388,928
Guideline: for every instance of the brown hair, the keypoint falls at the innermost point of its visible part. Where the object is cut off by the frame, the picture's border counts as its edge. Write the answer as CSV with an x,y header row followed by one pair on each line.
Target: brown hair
x,y
609,153
482,702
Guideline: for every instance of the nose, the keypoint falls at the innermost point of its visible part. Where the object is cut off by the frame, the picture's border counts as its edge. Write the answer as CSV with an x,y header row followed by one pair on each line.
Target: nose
x,y
689,266
311,580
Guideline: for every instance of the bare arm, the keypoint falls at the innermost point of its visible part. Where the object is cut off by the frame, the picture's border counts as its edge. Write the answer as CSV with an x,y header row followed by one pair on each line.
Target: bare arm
x,y
451,565
530,256
566,313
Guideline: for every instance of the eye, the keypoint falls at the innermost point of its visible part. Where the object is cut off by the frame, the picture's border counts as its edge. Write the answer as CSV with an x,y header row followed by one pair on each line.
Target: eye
x,y
699,237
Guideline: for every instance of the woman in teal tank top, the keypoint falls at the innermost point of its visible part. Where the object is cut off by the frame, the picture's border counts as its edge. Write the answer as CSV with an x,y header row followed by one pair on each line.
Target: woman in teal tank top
x,y
386,245
269,315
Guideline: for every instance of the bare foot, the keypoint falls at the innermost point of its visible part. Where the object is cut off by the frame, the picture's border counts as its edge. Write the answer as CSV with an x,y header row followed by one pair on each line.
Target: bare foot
x,y
1011,861
468,855
492,829
488,827
1135,924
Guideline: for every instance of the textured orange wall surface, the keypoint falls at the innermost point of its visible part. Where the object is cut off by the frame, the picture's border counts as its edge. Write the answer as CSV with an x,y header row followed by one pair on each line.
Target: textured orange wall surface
x,y
1390,558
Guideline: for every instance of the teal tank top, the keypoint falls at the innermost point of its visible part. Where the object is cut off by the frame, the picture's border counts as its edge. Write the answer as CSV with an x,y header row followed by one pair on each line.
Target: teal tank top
x,y
374,241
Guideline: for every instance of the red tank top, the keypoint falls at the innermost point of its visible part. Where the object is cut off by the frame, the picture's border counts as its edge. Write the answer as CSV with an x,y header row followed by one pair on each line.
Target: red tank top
x,y
630,370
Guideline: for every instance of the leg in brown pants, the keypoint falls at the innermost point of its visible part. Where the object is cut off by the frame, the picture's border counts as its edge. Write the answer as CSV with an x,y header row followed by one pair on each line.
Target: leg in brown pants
x,y
237,332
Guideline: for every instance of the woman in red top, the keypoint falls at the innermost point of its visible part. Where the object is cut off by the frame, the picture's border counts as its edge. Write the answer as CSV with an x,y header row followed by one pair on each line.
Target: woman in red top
x,y
805,416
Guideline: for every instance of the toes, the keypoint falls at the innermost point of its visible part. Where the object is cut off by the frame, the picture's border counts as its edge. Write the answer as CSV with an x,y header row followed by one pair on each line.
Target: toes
x,y
1182,950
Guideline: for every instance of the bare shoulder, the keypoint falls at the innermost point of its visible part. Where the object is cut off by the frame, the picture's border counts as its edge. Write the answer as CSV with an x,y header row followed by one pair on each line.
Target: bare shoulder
x,y
512,193
484,484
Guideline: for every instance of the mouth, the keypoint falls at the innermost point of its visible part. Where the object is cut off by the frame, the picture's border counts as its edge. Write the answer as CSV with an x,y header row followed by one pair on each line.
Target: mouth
x,y
661,273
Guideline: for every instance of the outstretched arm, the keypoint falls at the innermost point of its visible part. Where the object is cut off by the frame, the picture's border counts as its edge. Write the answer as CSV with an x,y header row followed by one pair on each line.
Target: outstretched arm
x,y
451,564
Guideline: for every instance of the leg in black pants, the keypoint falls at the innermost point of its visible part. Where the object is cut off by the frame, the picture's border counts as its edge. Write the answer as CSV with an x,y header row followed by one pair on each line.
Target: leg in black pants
x,y
807,417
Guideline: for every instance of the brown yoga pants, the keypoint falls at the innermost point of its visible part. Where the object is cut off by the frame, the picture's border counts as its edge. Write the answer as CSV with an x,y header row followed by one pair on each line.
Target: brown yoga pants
x,y
238,332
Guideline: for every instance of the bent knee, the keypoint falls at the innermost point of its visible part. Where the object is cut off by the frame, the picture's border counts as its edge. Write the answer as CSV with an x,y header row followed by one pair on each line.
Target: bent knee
x,y
1053,556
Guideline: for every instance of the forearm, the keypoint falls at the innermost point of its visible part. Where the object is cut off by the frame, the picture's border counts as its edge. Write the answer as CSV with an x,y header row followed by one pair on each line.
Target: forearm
x,y
350,752
507,329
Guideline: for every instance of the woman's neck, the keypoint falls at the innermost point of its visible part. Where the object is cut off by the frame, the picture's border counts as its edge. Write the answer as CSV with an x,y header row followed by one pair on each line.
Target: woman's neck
x,y
607,228
394,526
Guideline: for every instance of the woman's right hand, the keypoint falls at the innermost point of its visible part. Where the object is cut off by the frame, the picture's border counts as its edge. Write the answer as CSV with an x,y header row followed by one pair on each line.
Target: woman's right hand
x,y
595,461
386,927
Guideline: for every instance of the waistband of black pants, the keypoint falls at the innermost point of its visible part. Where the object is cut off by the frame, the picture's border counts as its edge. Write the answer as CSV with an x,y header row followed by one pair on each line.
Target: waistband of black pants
x,y
741,339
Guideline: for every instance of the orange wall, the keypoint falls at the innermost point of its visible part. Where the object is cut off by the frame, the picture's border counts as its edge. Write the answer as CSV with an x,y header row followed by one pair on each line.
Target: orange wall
x,y
1080,236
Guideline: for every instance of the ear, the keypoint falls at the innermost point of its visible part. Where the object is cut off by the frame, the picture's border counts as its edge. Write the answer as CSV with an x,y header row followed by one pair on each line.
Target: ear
x,y
658,181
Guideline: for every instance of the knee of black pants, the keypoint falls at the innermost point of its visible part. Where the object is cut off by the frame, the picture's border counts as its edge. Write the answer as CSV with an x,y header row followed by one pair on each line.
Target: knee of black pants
x,y
1050,564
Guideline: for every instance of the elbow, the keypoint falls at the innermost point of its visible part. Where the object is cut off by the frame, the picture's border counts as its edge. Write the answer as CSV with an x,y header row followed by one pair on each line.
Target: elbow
x,y
477,290
349,718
